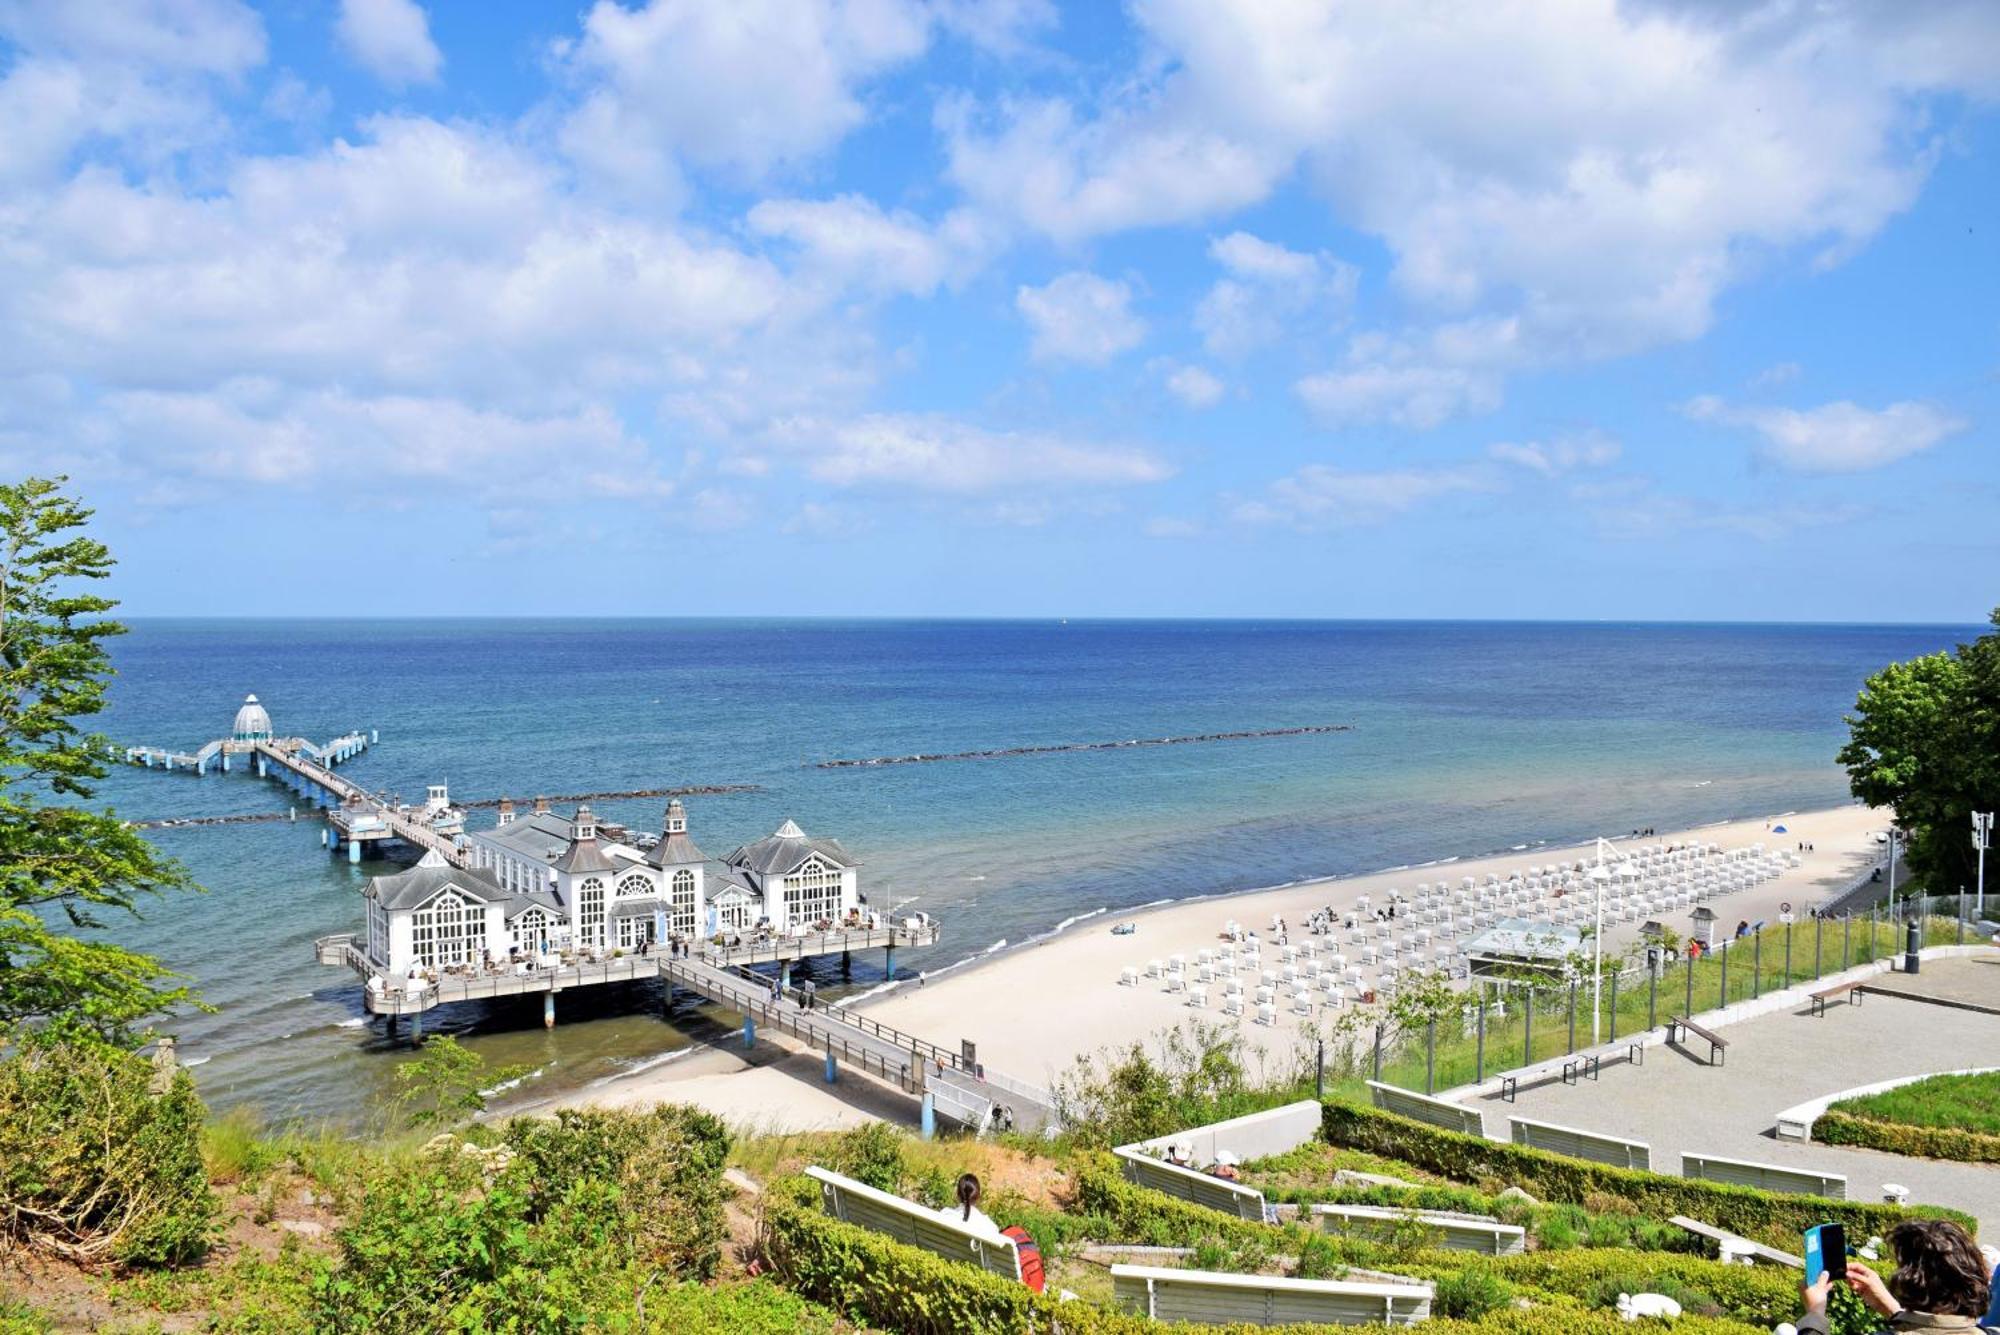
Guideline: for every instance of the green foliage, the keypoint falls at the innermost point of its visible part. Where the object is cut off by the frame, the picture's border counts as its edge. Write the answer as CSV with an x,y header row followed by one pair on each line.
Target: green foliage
x,y
445,1083
1924,739
565,1226
59,860
1930,1142
872,1154
1197,1074
1471,1293
235,1149
735,1309
1767,1217
95,1167
1969,1102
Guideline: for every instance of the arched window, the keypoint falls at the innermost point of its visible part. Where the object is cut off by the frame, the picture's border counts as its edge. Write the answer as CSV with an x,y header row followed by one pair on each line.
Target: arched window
x,y
447,931
635,886
812,893
681,916
590,914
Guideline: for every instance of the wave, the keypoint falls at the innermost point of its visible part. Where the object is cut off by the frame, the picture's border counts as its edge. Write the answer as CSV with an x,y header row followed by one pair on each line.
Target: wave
x,y
506,1085
643,1064
354,1023
197,1061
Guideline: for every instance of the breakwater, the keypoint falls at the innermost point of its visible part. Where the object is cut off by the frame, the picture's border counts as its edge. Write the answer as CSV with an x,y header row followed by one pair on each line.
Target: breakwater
x,y
1001,753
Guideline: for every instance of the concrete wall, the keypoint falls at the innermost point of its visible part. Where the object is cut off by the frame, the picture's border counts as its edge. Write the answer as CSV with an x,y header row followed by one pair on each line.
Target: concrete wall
x,y
1257,1136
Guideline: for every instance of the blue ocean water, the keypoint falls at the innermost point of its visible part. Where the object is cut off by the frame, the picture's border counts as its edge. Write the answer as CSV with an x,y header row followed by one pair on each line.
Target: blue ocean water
x,y
1467,737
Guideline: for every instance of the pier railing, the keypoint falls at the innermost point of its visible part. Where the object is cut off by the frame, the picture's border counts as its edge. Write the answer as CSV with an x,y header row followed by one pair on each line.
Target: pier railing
x,y
755,1004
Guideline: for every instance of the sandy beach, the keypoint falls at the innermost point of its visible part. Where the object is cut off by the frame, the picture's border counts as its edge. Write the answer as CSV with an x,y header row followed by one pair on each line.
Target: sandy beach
x,y
1033,1011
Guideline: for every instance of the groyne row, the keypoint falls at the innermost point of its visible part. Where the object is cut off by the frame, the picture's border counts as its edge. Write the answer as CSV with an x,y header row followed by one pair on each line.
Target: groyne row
x,y
1001,753
264,817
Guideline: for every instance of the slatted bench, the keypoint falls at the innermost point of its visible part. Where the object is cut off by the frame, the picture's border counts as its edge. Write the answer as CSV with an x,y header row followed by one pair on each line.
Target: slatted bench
x,y
1764,1176
1718,1046
1722,1238
1577,1144
1214,1298
1456,1232
859,1204
1189,1184
1817,1002
1423,1108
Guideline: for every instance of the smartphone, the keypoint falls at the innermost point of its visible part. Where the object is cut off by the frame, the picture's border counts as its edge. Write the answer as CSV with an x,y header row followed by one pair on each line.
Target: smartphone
x,y
1826,1252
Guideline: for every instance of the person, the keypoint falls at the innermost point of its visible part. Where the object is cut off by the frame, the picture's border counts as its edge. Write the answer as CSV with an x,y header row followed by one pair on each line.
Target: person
x,y
966,1211
1940,1282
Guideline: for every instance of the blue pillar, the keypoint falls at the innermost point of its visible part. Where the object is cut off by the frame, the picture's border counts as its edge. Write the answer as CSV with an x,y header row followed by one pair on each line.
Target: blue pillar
x,y
416,1029
930,1117
548,1010
263,771
832,1069
326,838
225,762
374,734
785,976
749,1032
354,854
889,961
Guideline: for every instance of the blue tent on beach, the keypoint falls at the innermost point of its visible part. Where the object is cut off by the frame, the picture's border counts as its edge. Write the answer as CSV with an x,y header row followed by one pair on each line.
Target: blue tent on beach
x,y
1779,829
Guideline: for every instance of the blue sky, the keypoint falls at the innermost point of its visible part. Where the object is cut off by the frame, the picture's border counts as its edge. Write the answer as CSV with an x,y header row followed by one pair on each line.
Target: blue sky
x,y
1661,309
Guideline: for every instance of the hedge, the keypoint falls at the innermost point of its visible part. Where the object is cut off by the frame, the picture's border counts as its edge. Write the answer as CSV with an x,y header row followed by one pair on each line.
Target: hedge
x,y
873,1278
1777,1219
1929,1142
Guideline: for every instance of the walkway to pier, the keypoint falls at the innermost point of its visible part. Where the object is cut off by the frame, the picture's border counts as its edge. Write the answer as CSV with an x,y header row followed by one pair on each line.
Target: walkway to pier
x,y
313,774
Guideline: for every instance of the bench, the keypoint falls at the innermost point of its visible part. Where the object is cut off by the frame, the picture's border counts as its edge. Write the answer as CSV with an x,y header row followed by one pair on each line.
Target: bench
x,y
1764,1176
1817,1002
859,1204
1584,1066
1718,1046
1214,1298
1567,1140
1456,1232
1423,1108
1189,1184
1722,1238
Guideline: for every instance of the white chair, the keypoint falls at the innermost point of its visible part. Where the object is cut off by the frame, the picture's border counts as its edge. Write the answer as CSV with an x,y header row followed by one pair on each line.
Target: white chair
x,y
1154,968
1266,996
1302,1002
1128,977
1267,1013
1198,998
1233,1005
1176,982
1204,973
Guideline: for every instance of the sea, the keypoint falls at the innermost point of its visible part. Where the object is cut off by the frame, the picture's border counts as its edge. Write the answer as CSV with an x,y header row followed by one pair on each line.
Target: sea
x,y
1462,738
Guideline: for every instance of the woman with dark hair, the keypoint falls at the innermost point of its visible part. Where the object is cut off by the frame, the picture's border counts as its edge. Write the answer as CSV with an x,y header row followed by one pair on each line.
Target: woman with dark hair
x,y
1940,1282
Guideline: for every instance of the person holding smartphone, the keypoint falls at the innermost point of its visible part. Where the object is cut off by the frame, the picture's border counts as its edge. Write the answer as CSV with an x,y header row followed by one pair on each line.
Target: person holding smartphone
x,y
1940,1282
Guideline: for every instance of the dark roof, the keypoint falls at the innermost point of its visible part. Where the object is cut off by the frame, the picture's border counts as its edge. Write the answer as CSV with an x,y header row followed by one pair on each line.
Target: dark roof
x,y
722,879
533,899
675,850
416,887
535,835
582,857
776,854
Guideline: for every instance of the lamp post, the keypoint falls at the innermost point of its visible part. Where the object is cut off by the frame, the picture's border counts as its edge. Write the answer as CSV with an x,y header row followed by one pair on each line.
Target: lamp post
x,y
1892,873
1600,876
1982,839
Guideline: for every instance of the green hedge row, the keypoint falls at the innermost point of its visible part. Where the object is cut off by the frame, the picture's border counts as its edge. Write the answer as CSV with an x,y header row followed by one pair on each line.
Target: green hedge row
x,y
1776,1219
1929,1142
873,1278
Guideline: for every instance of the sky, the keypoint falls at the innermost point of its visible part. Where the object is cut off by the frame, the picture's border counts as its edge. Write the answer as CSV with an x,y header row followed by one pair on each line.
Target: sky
x,y
1662,309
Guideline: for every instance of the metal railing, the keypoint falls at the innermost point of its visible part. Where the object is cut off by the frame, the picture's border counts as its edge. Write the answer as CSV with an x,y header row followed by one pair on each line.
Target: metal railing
x,y
757,1006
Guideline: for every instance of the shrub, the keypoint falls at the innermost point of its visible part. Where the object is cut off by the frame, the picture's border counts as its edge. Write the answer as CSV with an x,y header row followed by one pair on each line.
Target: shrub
x,y
1765,1216
94,1167
1471,1293
1930,1142
872,1154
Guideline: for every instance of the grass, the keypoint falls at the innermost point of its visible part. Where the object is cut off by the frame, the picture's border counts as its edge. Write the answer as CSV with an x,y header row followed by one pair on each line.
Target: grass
x,y
1956,1102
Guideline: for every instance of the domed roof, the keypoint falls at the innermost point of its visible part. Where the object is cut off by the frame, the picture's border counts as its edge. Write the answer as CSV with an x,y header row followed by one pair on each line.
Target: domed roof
x,y
251,720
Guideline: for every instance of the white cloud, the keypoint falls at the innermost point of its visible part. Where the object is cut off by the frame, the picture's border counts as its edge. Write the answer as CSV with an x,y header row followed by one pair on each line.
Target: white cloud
x,y
1373,388
1195,387
222,37
1598,171
392,38
1080,317
851,240
1783,373
1322,496
1564,454
1173,527
932,452
816,519
1266,287
746,87
1839,437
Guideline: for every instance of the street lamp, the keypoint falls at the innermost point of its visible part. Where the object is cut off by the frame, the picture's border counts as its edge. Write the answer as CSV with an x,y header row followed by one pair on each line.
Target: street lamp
x,y
1892,873
1982,839
1600,876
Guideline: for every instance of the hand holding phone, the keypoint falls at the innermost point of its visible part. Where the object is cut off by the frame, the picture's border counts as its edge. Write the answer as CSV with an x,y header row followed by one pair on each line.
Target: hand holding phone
x,y
1826,1252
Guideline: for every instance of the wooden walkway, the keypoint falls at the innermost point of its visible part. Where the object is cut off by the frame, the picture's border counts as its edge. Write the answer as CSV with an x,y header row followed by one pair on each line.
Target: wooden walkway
x,y
406,828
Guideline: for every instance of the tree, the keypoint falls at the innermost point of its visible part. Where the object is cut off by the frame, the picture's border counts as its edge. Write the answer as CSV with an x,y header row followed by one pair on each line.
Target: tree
x,y
1924,740
446,1083
61,861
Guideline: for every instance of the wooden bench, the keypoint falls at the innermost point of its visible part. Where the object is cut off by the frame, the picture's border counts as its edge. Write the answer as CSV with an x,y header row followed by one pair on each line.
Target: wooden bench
x,y
859,1204
1214,1298
1723,1238
1567,1140
1456,1232
1764,1176
1718,1046
1423,1108
1584,1066
1189,1184
1817,1002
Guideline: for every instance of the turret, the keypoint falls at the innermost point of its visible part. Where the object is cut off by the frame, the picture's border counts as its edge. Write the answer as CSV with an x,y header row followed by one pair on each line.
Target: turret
x,y
506,811
677,821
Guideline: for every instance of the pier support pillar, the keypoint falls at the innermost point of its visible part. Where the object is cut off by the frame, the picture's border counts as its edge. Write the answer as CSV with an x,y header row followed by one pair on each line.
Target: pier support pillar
x,y
832,1069
417,1029
354,851
263,770
374,735
785,976
749,1032
392,1026
225,762
846,965
548,1010
326,839
929,1125
889,961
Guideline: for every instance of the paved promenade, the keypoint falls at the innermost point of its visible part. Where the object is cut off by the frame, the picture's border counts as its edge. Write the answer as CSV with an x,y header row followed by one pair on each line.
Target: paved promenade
x,y
1676,1103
